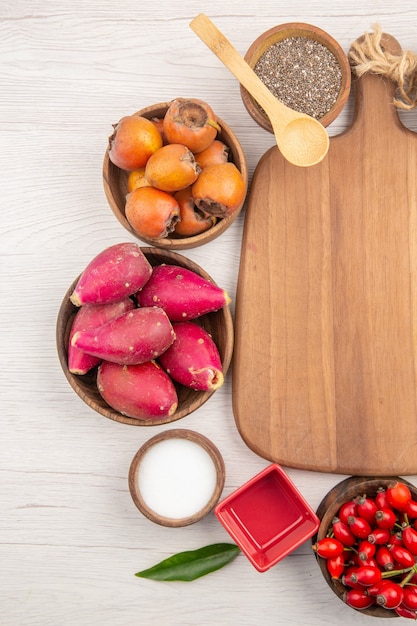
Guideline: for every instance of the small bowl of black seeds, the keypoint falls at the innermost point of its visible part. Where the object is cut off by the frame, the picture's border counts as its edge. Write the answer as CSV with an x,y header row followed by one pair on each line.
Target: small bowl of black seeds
x,y
304,67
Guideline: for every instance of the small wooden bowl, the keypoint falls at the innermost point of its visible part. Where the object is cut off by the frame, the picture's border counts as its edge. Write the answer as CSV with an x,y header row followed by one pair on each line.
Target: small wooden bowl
x,y
177,490
115,188
343,492
285,31
219,324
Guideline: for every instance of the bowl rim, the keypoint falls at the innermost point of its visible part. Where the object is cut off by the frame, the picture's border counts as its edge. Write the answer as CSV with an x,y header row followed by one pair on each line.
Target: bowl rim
x,y
81,384
178,243
294,29
189,435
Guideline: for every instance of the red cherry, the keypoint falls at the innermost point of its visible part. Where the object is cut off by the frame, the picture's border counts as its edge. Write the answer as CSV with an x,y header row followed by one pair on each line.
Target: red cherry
x,y
385,518
384,558
359,526
411,509
372,590
409,538
390,595
379,536
365,575
402,556
410,597
347,509
366,508
398,495
328,547
358,599
336,566
402,611
349,578
368,575
381,499
366,550
396,539
342,532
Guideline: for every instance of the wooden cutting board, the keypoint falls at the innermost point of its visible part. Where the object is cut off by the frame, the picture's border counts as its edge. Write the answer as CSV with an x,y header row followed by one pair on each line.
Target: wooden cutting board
x,y
325,358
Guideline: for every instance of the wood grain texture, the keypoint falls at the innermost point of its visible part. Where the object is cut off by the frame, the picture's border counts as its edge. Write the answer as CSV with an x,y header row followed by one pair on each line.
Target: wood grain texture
x,y
71,537
327,300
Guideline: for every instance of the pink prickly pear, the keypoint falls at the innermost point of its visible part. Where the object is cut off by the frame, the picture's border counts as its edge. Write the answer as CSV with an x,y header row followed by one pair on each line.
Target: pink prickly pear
x,y
141,391
115,273
88,317
193,359
134,337
182,293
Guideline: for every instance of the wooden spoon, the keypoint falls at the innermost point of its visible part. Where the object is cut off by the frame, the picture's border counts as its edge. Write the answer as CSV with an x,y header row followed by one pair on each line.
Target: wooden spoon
x,y
302,140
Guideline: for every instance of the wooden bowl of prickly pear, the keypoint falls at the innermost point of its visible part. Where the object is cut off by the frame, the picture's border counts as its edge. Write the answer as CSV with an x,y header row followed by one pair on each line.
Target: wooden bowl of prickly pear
x,y
180,214
347,504
218,324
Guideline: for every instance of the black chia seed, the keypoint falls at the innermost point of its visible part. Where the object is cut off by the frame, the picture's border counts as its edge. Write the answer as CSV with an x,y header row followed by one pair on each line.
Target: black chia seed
x,y
302,73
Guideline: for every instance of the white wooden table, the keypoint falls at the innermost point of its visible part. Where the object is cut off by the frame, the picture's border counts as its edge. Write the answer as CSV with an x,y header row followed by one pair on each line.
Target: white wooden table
x,y
71,538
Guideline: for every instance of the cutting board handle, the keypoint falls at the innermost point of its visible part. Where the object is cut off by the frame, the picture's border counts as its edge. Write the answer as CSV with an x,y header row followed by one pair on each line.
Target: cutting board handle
x,y
375,89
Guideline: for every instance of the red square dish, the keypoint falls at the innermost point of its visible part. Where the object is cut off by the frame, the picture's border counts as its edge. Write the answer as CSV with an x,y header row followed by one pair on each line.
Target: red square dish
x,y
267,517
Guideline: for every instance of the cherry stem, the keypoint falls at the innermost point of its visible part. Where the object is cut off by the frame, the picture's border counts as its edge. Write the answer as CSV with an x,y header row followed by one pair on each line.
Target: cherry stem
x,y
395,572
409,576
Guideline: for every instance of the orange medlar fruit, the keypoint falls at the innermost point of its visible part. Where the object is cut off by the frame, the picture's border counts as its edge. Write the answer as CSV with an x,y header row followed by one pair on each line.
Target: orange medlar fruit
x,y
133,141
151,212
191,122
192,221
171,168
219,190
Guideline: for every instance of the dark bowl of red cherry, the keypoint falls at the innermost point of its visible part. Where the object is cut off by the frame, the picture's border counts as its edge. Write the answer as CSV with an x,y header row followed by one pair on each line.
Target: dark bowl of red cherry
x,y
366,545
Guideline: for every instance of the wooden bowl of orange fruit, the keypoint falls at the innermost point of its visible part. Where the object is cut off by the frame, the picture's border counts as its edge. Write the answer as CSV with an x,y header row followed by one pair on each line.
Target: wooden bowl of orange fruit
x,y
174,174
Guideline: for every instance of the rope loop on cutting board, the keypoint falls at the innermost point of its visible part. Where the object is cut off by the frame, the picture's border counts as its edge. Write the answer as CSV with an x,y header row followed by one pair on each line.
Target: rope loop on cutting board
x,y
367,55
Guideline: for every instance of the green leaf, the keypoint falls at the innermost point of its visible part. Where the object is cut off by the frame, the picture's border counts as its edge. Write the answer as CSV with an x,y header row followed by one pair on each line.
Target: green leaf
x,y
192,564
